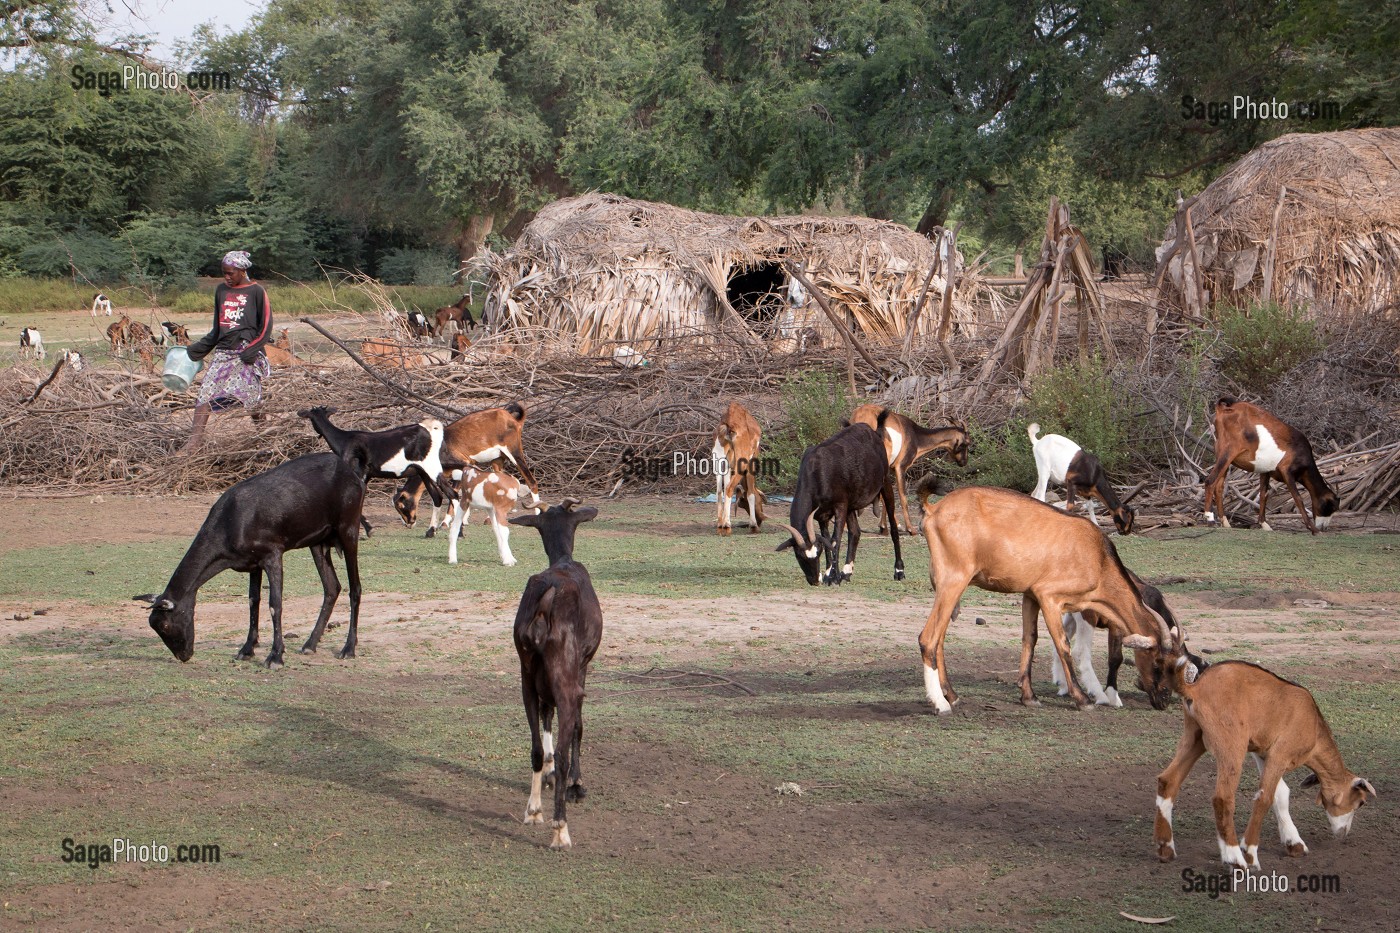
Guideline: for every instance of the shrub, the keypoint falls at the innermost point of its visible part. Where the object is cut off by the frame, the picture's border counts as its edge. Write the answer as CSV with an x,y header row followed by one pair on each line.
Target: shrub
x,y
1264,341
816,402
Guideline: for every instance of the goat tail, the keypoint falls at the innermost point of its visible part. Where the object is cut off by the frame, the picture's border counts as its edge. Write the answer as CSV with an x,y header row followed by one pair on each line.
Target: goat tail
x,y
515,410
1032,430
880,421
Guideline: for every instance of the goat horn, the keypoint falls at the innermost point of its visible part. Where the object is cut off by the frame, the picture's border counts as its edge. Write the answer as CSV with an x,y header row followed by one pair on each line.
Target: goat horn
x,y
1136,489
812,527
569,502
796,536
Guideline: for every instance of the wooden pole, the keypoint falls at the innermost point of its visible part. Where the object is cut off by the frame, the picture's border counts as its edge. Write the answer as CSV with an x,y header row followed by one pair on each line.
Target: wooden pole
x,y
1273,247
836,321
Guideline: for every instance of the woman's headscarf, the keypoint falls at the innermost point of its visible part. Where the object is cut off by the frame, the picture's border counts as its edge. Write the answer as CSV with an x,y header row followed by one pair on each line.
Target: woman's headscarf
x,y
238,259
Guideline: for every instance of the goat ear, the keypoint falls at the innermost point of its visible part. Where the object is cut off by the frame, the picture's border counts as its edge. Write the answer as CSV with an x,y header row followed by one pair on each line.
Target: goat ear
x,y
584,515
1310,781
1364,786
529,518
787,543
151,599
1138,642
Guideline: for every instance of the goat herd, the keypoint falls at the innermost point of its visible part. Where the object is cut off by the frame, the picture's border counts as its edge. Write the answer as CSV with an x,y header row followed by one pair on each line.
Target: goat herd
x,y
1064,567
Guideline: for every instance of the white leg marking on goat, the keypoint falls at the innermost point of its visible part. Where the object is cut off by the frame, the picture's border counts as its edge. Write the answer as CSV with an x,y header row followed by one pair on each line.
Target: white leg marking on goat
x,y
1322,522
934,689
561,838
547,739
753,509
1251,856
848,569
1081,650
502,540
1164,807
533,808
1231,855
1264,526
1113,699
1210,516
458,514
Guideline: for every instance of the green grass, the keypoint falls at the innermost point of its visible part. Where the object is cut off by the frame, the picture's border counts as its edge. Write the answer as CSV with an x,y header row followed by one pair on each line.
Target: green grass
x,y
384,791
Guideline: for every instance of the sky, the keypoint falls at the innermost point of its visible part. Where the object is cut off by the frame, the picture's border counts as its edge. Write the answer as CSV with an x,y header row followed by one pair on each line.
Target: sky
x,y
169,21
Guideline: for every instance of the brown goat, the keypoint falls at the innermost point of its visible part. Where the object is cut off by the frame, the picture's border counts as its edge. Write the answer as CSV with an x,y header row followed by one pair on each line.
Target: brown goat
x,y
391,354
1233,708
1007,542
905,442
1248,437
736,448
473,440
119,334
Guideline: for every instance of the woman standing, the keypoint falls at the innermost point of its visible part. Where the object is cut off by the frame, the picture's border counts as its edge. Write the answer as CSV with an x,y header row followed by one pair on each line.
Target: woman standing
x,y
242,324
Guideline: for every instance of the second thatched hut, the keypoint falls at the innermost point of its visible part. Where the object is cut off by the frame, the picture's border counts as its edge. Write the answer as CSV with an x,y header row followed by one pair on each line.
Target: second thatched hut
x,y
1310,219
603,272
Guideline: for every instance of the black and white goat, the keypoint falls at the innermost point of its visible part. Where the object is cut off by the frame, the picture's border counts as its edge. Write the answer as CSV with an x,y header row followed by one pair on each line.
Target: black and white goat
x,y
101,304
1059,459
310,502
558,628
419,325
839,477
31,344
409,450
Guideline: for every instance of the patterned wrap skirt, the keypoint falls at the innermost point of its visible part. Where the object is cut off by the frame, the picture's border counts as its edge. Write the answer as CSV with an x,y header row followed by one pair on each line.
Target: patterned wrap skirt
x,y
229,381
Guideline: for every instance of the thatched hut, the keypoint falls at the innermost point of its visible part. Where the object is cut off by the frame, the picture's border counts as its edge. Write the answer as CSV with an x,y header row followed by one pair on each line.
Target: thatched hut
x,y
1310,219
610,272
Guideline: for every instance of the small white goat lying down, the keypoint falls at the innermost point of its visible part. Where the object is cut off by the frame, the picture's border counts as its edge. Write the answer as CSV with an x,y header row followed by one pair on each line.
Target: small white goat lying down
x,y
494,491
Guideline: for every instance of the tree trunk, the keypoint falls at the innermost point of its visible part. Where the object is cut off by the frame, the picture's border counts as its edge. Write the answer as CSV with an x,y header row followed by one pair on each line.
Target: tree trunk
x,y
471,236
936,214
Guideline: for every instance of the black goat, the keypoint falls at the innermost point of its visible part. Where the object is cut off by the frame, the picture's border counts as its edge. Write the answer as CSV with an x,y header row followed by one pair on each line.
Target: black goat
x,y
310,502
839,477
412,449
558,628
419,325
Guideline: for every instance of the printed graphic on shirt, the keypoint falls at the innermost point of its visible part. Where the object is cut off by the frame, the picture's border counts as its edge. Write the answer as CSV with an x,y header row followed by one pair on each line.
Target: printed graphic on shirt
x,y
232,311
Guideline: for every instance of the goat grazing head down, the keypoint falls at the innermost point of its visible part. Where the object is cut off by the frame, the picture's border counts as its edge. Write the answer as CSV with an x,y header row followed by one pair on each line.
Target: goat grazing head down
x,y
1007,542
174,624
839,477
1236,708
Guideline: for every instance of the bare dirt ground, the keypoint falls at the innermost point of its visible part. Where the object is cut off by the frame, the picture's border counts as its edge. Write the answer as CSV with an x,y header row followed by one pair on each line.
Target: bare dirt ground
x,y
915,857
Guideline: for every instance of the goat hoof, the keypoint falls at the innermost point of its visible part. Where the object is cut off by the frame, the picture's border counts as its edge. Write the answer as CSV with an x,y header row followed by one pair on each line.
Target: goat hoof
x,y
533,819
575,792
753,530
431,532
1032,702
274,663
308,649
899,574
243,656
344,653
723,532
1166,852
1297,849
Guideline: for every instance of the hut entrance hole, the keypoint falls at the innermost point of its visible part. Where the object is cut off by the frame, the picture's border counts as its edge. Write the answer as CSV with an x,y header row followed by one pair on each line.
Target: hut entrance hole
x,y
758,293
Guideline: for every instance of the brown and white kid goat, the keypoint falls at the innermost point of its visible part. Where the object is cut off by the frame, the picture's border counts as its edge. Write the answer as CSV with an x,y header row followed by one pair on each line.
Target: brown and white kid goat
x,y
1060,460
476,440
1007,542
1233,708
496,492
735,457
905,442
1248,437
558,629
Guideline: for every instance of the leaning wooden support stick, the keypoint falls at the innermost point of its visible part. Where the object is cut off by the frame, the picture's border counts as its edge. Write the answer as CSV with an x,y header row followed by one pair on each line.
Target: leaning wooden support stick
x,y
428,404
836,321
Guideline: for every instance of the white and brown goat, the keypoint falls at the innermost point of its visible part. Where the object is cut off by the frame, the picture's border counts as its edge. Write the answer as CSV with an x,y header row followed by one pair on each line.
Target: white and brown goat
x,y
1060,460
1234,708
905,442
1007,542
1248,437
497,493
119,334
477,439
31,344
735,463
101,304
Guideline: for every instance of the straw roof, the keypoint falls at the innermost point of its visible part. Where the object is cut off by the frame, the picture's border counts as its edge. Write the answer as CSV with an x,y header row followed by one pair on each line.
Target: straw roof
x,y
611,271
1307,219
